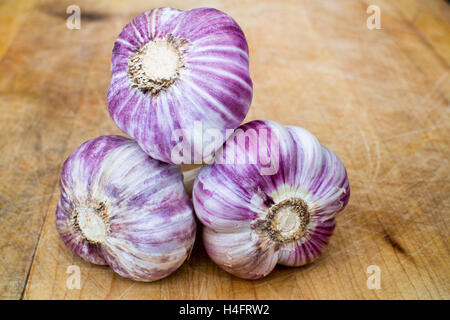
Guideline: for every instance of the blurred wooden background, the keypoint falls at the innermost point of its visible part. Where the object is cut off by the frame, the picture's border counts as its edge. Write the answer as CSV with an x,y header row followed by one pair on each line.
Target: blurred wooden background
x,y
378,98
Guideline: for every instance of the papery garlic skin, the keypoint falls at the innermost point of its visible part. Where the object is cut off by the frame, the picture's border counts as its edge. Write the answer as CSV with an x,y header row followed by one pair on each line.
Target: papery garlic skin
x,y
254,221
119,207
172,68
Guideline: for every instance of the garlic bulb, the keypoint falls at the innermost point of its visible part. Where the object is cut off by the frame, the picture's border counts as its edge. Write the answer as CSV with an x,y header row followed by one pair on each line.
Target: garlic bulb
x,y
175,75
121,208
271,197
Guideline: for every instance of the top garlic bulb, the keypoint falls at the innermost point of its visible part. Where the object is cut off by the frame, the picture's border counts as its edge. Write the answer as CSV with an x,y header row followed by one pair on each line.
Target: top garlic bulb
x,y
176,74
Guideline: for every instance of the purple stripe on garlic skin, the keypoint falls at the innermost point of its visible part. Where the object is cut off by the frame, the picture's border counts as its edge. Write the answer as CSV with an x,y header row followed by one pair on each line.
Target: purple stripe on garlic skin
x,y
171,68
121,208
252,221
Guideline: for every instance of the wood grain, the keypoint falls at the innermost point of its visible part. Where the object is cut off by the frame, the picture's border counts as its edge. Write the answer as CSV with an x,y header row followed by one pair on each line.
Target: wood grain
x,y
378,98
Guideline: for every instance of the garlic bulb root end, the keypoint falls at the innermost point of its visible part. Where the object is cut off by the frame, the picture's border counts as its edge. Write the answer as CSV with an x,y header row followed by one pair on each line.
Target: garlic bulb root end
x,y
157,64
92,222
286,221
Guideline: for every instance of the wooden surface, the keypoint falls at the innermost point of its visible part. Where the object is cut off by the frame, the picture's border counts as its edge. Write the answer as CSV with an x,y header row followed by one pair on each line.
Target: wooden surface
x,y
378,98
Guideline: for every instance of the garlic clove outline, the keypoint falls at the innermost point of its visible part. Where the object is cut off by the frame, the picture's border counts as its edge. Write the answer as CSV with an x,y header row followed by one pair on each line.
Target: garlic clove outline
x,y
239,252
175,73
119,207
252,221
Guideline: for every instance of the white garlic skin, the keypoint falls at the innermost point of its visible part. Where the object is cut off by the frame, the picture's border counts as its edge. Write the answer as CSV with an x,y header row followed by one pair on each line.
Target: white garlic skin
x,y
121,208
253,221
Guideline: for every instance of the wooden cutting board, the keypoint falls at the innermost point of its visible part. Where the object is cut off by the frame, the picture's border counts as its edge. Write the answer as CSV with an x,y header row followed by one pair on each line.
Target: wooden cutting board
x,y
378,98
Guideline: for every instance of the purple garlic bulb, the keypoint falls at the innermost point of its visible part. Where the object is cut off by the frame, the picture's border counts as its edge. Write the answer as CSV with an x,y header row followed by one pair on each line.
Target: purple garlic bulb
x,y
174,76
271,196
121,208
